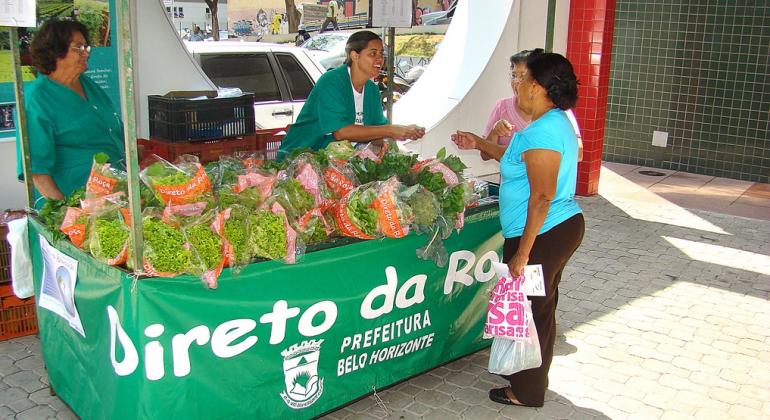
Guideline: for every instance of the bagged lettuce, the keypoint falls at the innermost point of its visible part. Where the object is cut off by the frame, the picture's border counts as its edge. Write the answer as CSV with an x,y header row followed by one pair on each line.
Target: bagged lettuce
x,y
271,236
108,239
105,179
293,198
394,216
354,214
166,252
231,224
306,170
183,182
206,244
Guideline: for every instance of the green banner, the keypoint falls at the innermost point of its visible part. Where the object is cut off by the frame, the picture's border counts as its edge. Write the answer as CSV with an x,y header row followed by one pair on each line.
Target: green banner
x,y
275,341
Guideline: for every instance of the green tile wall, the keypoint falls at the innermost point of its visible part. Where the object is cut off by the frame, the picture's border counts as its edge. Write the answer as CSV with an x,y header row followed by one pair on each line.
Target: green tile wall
x,y
699,70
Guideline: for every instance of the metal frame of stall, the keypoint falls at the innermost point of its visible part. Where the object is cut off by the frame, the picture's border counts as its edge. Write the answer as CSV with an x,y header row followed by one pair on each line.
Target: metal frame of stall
x,y
126,79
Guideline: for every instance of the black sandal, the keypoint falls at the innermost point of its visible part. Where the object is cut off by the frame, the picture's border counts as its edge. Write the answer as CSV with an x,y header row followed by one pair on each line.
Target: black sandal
x,y
500,396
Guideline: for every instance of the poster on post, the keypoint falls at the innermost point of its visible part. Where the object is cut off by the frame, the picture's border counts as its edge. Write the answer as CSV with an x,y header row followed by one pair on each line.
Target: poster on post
x,y
98,18
19,13
391,13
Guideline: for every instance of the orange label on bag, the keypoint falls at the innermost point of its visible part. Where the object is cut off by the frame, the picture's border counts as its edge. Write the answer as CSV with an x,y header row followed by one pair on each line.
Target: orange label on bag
x,y
187,192
421,164
76,233
345,225
99,184
122,256
338,182
387,216
74,230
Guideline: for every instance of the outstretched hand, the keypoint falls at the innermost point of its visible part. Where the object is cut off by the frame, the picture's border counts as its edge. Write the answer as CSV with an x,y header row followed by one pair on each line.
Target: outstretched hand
x,y
465,140
408,132
502,128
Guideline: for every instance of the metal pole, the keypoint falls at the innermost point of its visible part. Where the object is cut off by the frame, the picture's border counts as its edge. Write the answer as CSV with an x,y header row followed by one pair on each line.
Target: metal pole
x,y
21,117
550,24
391,60
126,77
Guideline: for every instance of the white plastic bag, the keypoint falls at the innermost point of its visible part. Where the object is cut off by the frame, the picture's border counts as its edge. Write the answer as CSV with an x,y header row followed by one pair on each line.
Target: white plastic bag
x,y
21,263
510,356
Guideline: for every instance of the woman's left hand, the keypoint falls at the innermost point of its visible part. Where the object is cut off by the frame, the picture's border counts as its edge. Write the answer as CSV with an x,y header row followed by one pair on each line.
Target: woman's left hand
x,y
517,263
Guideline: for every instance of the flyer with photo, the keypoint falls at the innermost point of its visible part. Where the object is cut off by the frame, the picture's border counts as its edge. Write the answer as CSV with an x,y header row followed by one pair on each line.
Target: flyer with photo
x,y
57,289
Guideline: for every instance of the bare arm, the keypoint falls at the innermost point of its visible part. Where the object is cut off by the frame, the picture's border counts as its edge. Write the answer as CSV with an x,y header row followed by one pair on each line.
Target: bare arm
x,y
542,172
466,141
580,149
502,128
47,186
364,133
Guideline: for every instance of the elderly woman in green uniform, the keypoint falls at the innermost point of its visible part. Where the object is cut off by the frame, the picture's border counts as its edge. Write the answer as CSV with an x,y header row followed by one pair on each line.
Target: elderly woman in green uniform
x,y
345,103
69,117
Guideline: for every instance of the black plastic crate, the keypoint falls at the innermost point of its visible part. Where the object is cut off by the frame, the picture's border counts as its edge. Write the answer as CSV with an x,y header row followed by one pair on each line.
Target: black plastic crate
x,y
179,119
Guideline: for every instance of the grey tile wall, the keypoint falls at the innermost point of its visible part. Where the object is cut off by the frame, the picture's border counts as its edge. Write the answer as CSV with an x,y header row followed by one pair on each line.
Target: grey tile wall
x,y
699,70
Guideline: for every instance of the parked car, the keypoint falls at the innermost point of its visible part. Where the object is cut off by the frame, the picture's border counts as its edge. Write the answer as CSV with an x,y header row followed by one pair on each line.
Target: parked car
x,y
281,77
328,48
443,17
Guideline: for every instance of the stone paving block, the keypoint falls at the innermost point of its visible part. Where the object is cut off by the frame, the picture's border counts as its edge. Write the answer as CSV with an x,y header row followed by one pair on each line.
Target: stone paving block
x,y
24,379
440,414
7,366
6,413
12,394
22,404
418,408
461,379
480,413
457,406
36,413
470,395
66,415
433,398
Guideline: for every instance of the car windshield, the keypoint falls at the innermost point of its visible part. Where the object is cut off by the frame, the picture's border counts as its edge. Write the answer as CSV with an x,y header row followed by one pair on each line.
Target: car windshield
x,y
329,42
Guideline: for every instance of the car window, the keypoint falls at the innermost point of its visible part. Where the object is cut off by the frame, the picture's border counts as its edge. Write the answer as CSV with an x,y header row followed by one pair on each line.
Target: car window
x,y
326,42
248,72
296,76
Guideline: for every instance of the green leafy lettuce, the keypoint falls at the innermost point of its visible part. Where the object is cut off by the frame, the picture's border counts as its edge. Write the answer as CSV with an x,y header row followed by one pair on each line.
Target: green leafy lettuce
x,y
206,243
267,235
164,247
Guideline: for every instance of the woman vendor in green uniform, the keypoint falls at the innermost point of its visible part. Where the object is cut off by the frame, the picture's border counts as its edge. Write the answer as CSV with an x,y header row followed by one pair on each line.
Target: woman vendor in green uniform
x,y
69,117
345,103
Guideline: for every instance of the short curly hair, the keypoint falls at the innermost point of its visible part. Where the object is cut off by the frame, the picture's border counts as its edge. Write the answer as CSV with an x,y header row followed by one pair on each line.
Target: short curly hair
x,y
555,73
52,41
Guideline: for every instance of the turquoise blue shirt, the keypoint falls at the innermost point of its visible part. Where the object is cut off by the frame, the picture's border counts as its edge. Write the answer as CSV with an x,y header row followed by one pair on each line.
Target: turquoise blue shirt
x,y
65,131
552,131
330,107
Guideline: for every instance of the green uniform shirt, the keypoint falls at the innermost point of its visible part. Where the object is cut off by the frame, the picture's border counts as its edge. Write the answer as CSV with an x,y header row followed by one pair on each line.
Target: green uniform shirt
x,y
330,107
66,131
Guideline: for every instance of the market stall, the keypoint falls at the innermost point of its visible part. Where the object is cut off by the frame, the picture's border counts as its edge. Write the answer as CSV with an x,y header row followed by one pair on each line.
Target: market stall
x,y
275,341
365,305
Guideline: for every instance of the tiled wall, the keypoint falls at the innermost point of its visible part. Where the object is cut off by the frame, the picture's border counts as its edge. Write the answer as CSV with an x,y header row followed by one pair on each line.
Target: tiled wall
x,y
699,70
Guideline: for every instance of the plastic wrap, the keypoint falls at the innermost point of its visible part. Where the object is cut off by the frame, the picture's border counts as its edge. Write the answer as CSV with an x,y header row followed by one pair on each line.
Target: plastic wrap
x,y
166,252
206,244
232,227
109,235
306,170
183,182
104,179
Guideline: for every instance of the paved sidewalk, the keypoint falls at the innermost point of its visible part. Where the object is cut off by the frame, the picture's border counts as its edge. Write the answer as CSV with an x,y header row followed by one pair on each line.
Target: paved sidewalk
x,y
664,313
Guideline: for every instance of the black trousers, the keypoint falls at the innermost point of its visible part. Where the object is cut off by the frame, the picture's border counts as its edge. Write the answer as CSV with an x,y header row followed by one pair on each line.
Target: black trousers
x,y
551,249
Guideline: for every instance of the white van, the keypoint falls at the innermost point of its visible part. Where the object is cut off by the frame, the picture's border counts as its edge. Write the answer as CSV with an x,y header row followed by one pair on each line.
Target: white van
x,y
280,77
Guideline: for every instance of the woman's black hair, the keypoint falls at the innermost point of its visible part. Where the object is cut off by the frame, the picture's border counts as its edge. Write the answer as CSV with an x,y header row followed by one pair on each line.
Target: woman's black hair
x,y
52,41
554,72
521,56
358,42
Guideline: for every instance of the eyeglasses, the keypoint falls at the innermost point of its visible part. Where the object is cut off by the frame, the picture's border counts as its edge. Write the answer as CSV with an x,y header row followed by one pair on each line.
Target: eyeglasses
x,y
517,77
81,49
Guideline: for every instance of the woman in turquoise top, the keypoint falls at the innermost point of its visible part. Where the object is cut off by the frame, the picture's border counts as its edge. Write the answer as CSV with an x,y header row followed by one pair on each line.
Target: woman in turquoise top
x,y
345,103
542,223
69,117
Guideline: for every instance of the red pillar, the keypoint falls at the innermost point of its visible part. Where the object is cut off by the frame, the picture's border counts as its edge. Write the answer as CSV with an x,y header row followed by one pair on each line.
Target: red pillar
x,y
589,49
